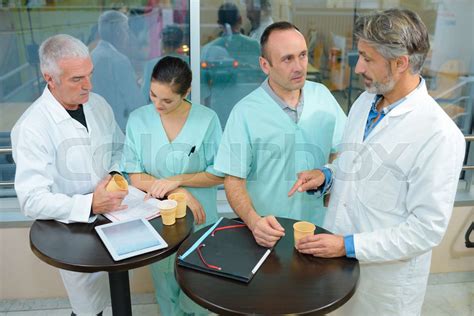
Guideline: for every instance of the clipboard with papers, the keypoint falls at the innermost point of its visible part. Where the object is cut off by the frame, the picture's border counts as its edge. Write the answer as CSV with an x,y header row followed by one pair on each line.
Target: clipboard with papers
x,y
226,249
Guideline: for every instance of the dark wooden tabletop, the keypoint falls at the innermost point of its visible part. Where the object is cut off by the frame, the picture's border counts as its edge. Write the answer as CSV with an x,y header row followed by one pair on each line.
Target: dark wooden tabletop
x,y
287,283
77,247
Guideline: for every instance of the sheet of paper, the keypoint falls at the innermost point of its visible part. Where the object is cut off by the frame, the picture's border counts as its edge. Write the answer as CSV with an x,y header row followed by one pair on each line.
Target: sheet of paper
x,y
137,207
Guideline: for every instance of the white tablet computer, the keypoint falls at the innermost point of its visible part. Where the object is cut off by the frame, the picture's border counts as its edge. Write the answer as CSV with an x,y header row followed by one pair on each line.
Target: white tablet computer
x,y
130,238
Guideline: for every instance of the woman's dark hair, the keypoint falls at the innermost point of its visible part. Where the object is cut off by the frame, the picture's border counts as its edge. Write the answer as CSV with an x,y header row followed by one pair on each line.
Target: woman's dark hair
x,y
173,71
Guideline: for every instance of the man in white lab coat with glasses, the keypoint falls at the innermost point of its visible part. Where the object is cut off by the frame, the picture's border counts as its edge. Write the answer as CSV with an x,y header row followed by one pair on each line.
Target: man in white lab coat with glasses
x,y
65,145
395,180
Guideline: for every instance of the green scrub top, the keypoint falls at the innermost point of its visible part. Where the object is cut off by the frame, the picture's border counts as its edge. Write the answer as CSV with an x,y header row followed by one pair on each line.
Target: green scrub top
x,y
264,146
148,150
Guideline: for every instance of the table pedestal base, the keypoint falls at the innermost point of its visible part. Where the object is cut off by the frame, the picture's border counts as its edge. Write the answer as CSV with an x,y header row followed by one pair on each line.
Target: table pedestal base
x,y
120,293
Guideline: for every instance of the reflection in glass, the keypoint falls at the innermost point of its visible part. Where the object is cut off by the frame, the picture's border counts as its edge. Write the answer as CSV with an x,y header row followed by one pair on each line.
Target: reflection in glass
x,y
259,13
327,25
172,45
120,58
114,77
229,64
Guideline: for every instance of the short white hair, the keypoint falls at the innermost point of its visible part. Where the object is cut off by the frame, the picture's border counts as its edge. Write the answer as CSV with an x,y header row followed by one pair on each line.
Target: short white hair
x,y
58,47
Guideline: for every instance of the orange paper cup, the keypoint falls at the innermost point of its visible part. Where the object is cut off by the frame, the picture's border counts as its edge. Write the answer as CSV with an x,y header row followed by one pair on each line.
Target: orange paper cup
x,y
168,211
302,229
181,199
117,183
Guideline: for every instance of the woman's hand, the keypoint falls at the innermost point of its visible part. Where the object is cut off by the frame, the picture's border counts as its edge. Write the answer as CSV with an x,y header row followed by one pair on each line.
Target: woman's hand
x,y
161,187
194,205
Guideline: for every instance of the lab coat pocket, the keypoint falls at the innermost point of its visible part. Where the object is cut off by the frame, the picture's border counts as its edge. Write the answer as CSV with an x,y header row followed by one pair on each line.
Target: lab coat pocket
x,y
383,190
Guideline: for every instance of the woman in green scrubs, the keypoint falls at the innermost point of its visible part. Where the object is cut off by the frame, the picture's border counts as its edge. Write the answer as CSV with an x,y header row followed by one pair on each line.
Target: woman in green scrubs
x,y
170,147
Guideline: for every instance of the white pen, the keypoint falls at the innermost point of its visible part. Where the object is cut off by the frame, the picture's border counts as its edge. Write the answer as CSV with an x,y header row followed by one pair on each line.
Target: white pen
x,y
260,262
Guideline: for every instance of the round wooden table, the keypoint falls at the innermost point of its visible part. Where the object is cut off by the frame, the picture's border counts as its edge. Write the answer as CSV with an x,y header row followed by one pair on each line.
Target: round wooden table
x,y
287,283
77,247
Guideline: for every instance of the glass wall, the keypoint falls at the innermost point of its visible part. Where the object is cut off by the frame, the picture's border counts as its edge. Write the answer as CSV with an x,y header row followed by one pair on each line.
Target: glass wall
x,y
229,47
125,39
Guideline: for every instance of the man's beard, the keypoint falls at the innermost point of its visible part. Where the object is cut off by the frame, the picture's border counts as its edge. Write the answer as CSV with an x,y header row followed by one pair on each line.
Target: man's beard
x,y
381,88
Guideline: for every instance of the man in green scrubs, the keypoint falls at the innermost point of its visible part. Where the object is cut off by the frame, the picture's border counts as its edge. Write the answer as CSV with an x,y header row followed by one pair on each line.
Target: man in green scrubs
x,y
285,126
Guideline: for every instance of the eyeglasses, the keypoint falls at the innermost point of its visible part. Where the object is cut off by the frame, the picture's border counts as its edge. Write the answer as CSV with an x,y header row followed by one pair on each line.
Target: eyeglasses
x,y
211,266
226,227
204,261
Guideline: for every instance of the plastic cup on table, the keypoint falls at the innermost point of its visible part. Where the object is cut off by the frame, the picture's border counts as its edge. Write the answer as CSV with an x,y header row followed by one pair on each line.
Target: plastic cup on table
x,y
181,199
168,211
302,229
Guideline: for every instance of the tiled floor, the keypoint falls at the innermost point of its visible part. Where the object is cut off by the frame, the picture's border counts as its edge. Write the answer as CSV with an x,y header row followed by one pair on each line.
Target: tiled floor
x,y
141,309
447,294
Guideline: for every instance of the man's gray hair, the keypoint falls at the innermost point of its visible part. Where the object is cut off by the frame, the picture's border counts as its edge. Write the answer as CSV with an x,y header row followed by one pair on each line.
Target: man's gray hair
x,y
108,26
58,47
394,33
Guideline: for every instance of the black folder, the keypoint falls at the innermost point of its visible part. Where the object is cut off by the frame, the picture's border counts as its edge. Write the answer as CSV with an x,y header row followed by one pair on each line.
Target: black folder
x,y
229,251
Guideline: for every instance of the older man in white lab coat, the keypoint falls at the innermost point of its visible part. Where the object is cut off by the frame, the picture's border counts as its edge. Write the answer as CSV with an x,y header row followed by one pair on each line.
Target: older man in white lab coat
x,y
64,147
396,177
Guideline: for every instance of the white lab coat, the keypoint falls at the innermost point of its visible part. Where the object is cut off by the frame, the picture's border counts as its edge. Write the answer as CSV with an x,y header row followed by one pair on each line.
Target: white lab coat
x,y
395,192
58,165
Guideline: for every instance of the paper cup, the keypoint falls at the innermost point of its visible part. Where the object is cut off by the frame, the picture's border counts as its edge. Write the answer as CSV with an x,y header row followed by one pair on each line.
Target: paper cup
x,y
181,199
168,211
302,229
117,183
